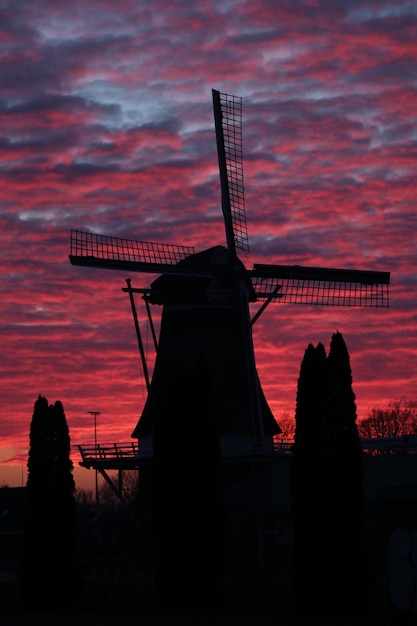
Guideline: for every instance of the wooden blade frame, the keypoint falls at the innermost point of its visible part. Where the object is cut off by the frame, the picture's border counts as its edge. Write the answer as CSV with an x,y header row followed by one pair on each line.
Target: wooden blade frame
x,y
228,123
92,250
315,285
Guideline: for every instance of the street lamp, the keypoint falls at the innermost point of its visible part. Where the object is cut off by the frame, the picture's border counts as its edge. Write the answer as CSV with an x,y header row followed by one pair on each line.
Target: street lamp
x,y
95,413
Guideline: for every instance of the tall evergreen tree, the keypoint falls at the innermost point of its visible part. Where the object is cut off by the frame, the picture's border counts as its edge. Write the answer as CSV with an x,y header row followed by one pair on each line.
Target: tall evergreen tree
x,y
48,575
308,471
352,585
330,568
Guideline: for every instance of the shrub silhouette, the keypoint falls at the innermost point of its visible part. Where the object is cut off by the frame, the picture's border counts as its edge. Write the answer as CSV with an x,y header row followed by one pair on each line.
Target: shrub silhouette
x,y
48,575
331,572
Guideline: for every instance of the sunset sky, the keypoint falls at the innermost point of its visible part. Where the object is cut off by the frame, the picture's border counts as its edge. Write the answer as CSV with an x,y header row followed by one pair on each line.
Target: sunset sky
x,y
107,125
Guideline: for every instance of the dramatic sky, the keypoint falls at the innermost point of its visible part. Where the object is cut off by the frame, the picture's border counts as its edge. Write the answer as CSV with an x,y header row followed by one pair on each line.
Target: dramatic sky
x,y
106,124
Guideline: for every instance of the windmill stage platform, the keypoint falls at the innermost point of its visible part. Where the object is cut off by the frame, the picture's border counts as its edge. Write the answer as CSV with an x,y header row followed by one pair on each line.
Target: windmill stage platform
x,y
128,456
131,455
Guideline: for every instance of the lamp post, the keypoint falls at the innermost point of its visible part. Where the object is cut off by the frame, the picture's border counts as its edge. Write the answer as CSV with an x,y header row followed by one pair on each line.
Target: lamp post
x,y
95,413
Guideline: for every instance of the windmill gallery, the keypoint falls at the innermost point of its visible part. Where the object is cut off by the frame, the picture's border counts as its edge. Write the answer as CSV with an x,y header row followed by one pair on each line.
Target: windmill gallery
x,y
205,365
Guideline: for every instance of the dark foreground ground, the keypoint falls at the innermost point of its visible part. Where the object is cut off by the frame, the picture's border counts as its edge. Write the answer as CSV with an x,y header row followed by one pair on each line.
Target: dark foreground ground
x,y
130,599
107,607
141,617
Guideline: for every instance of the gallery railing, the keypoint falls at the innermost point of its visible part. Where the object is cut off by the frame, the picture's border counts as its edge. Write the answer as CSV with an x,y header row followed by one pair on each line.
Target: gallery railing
x,y
233,447
133,452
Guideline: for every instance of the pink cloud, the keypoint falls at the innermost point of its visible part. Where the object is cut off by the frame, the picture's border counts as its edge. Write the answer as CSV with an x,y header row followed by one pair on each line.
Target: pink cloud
x,y
108,126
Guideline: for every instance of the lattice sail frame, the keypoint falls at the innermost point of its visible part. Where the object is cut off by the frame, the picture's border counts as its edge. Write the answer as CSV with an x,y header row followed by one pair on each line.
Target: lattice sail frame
x,y
92,249
228,121
317,286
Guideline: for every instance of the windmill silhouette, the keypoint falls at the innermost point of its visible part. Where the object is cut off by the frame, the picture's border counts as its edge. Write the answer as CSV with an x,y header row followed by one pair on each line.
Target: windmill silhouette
x,y
206,326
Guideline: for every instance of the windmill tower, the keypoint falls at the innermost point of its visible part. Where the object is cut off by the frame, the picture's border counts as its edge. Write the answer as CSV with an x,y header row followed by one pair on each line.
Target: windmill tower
x,y
206,324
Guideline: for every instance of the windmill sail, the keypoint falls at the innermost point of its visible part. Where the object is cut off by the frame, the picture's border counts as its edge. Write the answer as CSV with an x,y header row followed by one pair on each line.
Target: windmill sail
x,y
94,250
228,123
281,283
321,286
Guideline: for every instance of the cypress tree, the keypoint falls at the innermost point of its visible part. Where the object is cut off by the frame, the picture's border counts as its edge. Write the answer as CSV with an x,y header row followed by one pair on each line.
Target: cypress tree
x,y
351,584
48,575
306,480
330,569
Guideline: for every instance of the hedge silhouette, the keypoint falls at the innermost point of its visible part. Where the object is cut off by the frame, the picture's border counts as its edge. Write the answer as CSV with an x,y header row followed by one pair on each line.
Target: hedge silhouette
x,y
330,572
48,575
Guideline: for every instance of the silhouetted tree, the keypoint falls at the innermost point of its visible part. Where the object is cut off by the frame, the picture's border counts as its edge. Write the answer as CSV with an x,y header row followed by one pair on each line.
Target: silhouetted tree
x,y
48,575
349,566
287,425
127,488
330,567
395,420
306,480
